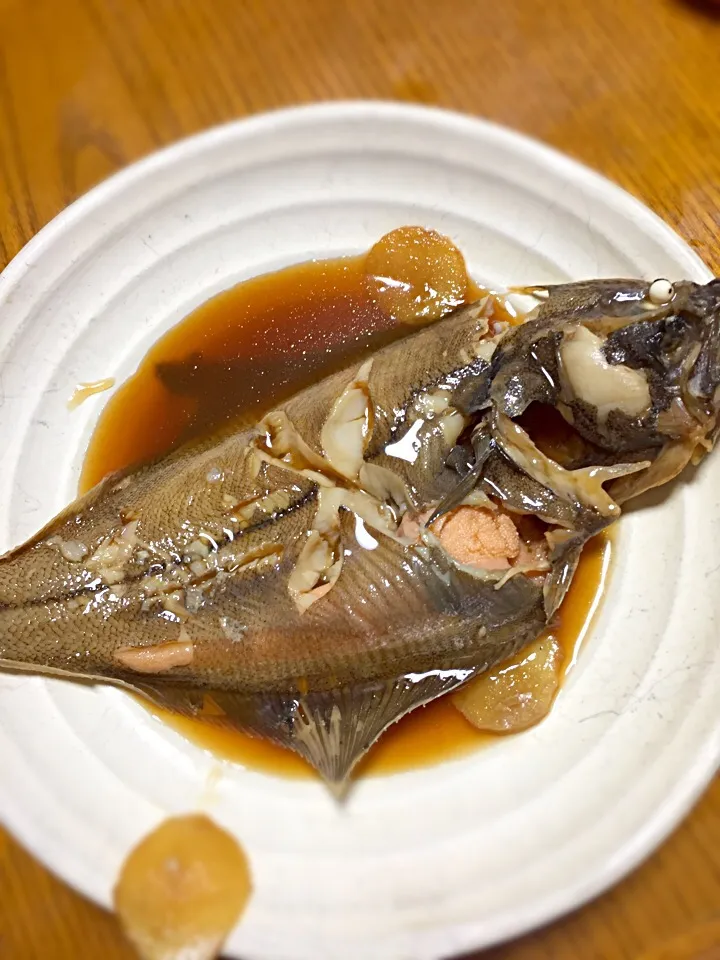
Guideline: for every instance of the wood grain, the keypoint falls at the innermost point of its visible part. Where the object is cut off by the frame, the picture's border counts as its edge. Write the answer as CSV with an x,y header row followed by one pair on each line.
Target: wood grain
x,y
87,86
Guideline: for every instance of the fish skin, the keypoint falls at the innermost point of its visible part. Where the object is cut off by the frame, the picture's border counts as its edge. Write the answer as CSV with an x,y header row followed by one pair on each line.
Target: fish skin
x,y
327,681
174,503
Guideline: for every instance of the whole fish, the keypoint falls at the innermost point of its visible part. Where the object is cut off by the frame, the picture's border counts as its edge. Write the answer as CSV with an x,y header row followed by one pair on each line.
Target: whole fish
x,y
364,548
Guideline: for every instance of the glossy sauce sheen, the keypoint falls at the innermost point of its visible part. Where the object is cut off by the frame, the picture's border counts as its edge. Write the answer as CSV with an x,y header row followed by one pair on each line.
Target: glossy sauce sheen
x,y
221,368
241,352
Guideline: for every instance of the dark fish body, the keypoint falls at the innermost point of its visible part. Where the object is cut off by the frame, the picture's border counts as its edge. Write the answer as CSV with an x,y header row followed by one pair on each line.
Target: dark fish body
x,y
273,581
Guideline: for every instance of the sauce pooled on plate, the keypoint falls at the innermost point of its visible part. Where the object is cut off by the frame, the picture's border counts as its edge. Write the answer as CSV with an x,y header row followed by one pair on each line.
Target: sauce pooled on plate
x,y
258,343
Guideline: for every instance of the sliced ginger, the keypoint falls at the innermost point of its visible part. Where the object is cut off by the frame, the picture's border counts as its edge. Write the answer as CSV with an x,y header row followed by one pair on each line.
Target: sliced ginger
x,y
416,275
182,890
518,693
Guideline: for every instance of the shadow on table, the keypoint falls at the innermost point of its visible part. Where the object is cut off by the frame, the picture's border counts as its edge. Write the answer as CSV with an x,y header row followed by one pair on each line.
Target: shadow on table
x,y
711,8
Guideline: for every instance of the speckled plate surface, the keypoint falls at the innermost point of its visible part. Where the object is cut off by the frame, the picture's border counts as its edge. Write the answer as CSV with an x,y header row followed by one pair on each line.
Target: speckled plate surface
x,y
418,865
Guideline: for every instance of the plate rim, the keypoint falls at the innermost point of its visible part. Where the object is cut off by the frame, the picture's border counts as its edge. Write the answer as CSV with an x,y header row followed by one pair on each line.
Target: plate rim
x,y
332,109
679,801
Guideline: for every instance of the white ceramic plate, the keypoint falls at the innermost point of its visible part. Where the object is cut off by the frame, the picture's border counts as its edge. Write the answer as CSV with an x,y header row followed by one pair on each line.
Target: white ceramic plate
x,y
419,865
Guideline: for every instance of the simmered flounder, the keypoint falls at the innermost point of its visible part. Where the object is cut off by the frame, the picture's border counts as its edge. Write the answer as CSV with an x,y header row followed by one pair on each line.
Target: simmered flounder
x,y
365,548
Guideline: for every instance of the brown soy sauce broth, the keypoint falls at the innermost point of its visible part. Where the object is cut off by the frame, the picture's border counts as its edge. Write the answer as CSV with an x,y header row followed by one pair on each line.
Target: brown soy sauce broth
x,y
226,364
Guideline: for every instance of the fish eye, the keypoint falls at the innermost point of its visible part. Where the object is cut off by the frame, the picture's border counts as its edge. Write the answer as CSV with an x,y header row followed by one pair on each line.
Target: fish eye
x,y
660,292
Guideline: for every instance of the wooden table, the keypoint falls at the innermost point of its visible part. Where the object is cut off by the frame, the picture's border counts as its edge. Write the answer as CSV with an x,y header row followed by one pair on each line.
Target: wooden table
x,y
632,88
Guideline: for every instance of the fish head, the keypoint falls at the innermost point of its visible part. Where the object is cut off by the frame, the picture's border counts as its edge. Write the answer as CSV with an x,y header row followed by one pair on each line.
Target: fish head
x,y
702,382
622,300
630,364
670,338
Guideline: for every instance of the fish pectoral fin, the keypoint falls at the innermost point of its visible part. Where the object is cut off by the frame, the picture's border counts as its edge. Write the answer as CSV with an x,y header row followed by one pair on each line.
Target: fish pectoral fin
x,y
459,492
483,446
